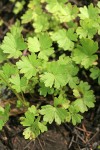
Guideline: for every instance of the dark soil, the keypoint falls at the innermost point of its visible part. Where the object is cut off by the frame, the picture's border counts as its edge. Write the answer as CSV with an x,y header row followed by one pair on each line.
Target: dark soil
x,y
85,136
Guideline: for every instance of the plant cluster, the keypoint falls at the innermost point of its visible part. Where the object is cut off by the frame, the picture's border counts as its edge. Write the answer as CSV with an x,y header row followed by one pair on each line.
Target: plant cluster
x,y
49,61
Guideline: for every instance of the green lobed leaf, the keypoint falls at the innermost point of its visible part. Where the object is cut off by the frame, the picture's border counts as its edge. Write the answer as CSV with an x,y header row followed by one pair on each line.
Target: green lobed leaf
x,y
51,113
55,75
4,115
40,23
84,54
27,17
29,118
65,39
90,12
75,116
61,102
9,70
33,44
88,28
85,97
43,90
59,75
61,11
33,124
95,73
19,84
2,56
42,44
33,131
28,65
13,43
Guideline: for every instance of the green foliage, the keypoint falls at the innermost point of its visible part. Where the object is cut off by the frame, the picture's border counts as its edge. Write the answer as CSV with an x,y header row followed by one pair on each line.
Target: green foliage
x,y
18,6
48,63
59,75
34,126
74,116
28,65
86,51
62,37
4,115
18,84
37,44
85,97
95,73
13,42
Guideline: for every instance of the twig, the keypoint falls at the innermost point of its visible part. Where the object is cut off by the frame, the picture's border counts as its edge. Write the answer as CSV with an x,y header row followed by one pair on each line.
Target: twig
x,y
40,144
91,139
71,142
76,133
27,145
87,134
81,139
83,130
